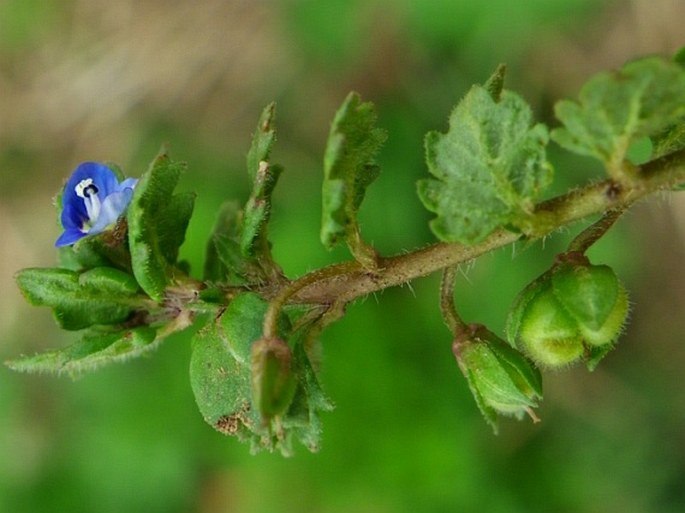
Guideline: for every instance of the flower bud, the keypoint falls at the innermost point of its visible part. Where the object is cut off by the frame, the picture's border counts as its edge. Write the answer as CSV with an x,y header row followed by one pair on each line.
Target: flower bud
x,y
273,382
501,379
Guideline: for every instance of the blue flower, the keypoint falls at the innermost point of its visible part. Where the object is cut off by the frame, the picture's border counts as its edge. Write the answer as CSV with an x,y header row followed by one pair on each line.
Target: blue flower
x,y
93,199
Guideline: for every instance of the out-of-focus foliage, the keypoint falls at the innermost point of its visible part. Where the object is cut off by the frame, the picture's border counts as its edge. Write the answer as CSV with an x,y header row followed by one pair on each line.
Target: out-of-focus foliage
x,y
111,81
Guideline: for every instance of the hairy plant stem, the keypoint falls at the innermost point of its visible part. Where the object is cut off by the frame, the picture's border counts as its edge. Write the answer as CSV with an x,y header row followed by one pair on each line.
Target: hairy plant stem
x,y
342,283
447,307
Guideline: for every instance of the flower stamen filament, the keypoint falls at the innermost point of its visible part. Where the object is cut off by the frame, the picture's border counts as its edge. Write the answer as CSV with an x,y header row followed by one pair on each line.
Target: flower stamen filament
x,y
87,190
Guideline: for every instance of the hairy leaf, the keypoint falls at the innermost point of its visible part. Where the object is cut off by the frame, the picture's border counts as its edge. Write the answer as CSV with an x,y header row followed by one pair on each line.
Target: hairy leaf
x,y
221,384
224,260
99,296
95,349
264,176
489,167
349,168
643,98
222,378
157,221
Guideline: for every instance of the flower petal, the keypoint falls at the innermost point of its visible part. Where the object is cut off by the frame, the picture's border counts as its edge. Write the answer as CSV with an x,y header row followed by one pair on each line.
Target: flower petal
x,y
73,217
113,206
103,178
129,183
69,236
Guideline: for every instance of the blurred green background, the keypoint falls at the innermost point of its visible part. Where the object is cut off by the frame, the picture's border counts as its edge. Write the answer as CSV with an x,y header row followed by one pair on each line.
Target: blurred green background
x,y
95,80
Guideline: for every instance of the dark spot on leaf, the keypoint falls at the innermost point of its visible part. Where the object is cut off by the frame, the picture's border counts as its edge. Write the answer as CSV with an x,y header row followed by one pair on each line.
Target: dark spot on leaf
x,y
228,424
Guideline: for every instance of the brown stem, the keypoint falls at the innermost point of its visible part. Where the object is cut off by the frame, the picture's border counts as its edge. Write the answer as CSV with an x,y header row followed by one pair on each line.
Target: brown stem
x,y
593,233
449,312
345,282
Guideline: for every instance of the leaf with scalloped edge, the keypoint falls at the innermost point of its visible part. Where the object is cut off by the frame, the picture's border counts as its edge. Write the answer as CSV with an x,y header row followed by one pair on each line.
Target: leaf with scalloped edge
x,y
643,98
96,348
264,176
157,220
349,168
488,168
103,295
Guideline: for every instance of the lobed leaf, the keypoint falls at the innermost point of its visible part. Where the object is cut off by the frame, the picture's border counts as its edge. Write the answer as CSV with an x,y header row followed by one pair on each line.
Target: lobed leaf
x,y
349,168
157,220
264,176
643,98
96,348
489,167
99,296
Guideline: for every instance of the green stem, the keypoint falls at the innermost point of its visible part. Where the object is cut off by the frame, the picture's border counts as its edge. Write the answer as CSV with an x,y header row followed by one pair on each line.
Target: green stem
x,y
345,282
593,233
449,312
278,301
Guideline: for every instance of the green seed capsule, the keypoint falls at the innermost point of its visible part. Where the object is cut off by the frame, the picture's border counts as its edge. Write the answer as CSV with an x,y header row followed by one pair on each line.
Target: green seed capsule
x,y
574,311
502,380
547,334
595,298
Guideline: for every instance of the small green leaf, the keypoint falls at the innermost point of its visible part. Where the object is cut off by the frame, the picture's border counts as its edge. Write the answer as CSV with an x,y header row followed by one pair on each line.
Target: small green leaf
x,y
173,223
302,419
220,369
99,296
489,167
221,385
223,380
643,98
669,140
242,325
106,249
349,168
157,221
96,348
224,262
264,176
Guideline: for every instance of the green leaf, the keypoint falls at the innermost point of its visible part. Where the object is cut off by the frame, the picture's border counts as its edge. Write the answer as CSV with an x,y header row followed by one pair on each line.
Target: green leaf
x,y
669,140
242,325
264,176
349,168
173,223
96,348
106,249
222,380
224,259
220,372
99,296
157,221
489,167
643,98
221,385
302,419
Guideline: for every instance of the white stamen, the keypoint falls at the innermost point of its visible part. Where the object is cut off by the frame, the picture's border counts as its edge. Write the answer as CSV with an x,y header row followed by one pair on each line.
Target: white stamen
x,y
83,187
89,192
92,207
